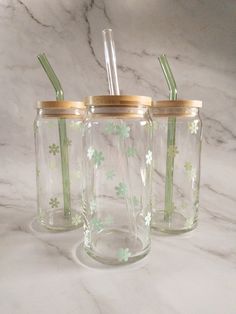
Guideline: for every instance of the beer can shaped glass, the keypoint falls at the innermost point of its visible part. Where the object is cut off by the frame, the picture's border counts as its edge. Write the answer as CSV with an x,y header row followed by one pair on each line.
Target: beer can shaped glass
x,y
177,137
117,167
58,146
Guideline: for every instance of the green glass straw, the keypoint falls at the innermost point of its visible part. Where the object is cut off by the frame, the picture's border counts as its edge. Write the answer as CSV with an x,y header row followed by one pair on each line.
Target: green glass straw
x,y
62,134
170,158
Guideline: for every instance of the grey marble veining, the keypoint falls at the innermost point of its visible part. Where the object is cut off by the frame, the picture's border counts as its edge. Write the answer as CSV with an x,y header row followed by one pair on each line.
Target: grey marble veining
x,y
194,273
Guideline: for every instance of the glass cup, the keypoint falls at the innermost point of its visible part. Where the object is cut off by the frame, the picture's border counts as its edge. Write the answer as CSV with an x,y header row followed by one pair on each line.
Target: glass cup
x,y
117,164
177,138
58,146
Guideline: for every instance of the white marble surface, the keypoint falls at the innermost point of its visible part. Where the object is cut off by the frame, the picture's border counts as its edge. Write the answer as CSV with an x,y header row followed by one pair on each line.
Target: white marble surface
x,y
190,274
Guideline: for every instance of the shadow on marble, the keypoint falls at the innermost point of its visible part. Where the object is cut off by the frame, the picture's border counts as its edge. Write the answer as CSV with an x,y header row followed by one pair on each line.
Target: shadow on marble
x,y
83,259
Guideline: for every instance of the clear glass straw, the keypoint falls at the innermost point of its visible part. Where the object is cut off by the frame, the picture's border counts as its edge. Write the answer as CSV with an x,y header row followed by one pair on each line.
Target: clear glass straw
x,y
62,134
112,77
170,159
110,59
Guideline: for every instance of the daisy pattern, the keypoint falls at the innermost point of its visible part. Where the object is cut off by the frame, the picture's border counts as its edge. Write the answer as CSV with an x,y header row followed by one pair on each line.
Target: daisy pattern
x,y
149,157
76,220
97,224
123,254
90,152
148,219
123,130
121,190
53,149
172,151
54,203
188,166
97,158
193,126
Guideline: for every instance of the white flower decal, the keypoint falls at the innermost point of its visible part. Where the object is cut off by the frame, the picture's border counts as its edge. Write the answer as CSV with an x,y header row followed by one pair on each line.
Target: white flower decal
x,y
90,152
149,158
148,219
193,126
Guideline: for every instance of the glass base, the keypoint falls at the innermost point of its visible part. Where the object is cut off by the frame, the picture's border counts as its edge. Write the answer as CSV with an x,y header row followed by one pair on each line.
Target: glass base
x,y
117,247
177,223
57,221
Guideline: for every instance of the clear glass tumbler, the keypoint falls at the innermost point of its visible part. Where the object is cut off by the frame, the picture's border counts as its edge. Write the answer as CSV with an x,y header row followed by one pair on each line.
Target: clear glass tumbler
x,y
58,146
117,164
177,137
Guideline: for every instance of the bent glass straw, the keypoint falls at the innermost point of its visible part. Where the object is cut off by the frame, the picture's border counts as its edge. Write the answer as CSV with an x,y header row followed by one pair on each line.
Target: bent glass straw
x,y
170,158
62,134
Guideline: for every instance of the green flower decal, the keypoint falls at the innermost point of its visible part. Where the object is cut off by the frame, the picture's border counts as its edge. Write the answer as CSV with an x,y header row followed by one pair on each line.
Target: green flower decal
x,y
193,126
121,190
54,149
54,203
148,219
110,174
76,220
123,130
97,224
172,151
98,158
123,254
188,166
149,158
131,152
95,155
110,128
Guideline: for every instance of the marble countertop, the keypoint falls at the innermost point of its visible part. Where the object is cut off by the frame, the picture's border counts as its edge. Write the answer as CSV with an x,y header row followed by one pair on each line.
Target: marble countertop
x,y
42,272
